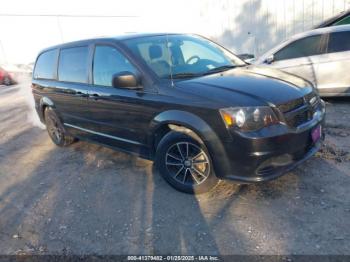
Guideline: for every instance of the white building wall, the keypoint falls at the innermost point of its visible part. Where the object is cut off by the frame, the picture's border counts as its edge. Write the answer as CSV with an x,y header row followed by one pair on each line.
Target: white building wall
x,y
254,26
244,26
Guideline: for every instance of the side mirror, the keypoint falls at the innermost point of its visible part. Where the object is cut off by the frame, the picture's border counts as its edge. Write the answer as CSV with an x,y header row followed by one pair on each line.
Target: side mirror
x,y
246,56
127,80
269,59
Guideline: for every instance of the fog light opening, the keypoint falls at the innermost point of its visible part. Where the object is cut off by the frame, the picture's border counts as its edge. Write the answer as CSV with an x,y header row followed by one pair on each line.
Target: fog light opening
x,y
269,165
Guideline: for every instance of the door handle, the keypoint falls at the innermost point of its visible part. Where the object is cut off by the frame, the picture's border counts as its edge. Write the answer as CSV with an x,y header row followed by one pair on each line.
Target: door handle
x,y
82,94
94,96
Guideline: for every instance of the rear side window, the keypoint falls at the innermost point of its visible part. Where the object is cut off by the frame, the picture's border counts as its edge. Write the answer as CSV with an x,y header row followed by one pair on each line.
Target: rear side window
x,y
107,62
339,42
73,64
307,46
45,66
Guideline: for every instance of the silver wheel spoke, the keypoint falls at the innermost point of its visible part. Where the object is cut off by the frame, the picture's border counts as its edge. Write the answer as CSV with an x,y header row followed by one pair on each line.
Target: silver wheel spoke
x,y
174,164
199,172
194,177
198,155
174,157
204,161
179,149
179,171
185,176
186,150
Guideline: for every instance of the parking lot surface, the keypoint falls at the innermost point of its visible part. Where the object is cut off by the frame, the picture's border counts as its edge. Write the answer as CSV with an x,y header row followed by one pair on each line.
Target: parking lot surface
x,y
87,199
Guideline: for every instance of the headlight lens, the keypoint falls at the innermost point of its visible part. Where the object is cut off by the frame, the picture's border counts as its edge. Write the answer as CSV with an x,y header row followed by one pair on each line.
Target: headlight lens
x,y
248,118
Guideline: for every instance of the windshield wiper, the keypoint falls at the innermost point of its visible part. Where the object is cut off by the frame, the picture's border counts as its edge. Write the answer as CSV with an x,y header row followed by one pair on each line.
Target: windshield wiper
x,y
184,75
211,71
219,69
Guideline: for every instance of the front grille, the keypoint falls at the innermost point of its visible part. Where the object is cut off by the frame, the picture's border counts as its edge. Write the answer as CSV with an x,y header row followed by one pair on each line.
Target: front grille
x,y
299,118
291,105
299,111
266,170
309,96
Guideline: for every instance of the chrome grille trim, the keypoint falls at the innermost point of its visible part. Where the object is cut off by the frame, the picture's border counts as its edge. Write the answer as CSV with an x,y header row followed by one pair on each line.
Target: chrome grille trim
x,y
299,111
291,105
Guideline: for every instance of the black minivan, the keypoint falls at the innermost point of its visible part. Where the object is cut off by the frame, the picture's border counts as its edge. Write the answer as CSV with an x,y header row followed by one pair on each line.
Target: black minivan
x,y
197,110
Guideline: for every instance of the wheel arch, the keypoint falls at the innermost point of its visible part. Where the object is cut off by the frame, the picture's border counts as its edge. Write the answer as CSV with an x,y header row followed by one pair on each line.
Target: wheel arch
x,y
189,123
45,102
180,121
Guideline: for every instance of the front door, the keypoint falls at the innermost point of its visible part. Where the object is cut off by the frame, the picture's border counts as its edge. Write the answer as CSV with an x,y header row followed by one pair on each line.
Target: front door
x,y
301,66
121,116
298,57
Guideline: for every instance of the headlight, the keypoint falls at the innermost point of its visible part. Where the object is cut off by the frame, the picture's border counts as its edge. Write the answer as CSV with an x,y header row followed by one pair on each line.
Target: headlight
x,y
248,118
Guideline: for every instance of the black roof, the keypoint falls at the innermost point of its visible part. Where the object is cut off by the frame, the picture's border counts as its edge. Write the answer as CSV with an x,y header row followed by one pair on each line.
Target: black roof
x,y
334,19
111,38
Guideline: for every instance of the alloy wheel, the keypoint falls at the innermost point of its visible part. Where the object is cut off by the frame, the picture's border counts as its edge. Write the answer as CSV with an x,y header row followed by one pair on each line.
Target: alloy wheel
x,y
7,81
54,129
187,163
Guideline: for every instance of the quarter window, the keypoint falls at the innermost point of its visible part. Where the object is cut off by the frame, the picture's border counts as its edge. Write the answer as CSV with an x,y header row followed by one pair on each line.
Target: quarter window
x,y
73,64
344,21
107,62
46,65
308,46
339,42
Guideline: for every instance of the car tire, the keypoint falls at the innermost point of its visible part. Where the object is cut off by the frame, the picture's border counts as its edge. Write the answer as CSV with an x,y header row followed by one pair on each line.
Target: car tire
x,y
6,81
185,163
55,129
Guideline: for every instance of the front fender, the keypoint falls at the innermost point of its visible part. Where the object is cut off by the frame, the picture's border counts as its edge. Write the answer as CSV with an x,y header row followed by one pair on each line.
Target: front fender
x,y
201,128
189,120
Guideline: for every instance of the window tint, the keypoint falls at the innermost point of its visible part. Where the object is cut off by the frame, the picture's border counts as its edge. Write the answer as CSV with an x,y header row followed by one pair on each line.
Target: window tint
x,y
304,47
344,21
155,53
339,42
46,65
107,62
73,64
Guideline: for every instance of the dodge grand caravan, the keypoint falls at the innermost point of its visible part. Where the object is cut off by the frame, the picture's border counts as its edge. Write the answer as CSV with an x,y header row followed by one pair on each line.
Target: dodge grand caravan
x,y
193,107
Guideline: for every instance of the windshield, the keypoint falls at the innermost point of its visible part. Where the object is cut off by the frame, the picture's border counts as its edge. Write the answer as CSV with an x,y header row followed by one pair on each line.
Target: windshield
x,y
182,56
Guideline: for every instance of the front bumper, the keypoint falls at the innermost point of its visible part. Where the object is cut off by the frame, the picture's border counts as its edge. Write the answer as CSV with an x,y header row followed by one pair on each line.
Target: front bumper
x,y
272,172
269,153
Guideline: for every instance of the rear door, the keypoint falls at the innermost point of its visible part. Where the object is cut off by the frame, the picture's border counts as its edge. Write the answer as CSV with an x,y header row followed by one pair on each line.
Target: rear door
x,y
298,57
72,88
332,68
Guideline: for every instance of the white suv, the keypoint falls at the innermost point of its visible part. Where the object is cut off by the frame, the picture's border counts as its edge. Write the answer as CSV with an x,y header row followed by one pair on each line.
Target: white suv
x,y
321,56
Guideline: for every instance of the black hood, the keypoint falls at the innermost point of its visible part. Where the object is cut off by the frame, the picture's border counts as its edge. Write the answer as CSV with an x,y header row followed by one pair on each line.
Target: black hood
x,y
251,85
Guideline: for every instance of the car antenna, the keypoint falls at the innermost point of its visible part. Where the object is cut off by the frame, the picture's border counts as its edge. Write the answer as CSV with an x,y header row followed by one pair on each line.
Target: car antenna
x,y
170,61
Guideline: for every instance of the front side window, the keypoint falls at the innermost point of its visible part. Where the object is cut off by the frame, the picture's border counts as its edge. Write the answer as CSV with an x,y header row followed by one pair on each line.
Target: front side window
x,y
339,42
73,64
182,55
46,65
107,62
307,46
192,51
